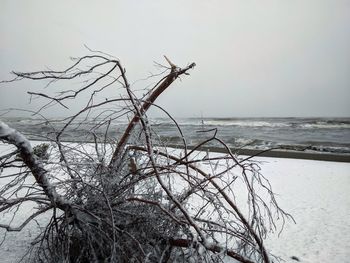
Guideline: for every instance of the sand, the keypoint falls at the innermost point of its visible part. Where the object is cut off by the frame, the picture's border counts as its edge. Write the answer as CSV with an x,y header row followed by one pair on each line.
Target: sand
x,y
280,153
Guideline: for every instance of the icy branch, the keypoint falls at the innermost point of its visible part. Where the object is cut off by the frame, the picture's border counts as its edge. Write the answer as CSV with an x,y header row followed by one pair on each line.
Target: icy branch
x,y
12,136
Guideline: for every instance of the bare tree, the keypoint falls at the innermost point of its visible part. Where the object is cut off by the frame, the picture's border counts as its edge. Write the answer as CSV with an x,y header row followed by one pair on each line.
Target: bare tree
x,y
128,197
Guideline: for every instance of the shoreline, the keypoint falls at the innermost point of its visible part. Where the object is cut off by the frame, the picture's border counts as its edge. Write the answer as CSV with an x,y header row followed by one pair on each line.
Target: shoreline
x,y
290,154
274,153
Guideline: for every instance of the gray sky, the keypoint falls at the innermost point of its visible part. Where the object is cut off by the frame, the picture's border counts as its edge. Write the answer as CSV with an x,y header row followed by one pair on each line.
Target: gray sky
x,y
254,58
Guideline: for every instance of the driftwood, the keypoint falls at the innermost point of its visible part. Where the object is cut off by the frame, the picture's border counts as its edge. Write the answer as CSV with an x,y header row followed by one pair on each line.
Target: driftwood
x,y
129,199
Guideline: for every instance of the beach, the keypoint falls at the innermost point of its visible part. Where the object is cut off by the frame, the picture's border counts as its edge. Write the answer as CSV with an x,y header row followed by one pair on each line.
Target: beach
x,y
173,131
315,193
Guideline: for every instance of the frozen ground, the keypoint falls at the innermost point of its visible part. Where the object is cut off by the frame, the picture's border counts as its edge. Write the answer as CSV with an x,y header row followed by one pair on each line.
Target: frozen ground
x,y
316,193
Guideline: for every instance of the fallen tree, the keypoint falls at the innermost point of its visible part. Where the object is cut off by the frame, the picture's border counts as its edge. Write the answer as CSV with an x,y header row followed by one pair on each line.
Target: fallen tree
x,y
130,198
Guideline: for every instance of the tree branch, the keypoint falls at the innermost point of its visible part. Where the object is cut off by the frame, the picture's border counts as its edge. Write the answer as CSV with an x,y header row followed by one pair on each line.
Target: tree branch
x,y
173,75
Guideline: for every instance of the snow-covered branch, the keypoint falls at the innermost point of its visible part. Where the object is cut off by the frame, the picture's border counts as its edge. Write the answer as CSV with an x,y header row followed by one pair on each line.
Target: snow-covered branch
x,y
122,195
12,136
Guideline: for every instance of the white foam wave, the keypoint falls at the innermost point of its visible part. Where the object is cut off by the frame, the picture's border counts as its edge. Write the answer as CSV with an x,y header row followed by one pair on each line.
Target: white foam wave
x,y
325,125
245,123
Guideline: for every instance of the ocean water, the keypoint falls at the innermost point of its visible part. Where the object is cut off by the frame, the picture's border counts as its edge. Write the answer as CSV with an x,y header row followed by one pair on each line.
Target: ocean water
x,y
330,135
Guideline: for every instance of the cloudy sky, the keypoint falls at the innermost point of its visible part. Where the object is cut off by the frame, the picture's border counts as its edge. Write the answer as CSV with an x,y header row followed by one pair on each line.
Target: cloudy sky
x,y
254,58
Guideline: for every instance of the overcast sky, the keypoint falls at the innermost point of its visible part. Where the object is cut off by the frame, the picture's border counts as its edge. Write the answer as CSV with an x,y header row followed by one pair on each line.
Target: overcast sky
x,y
254,58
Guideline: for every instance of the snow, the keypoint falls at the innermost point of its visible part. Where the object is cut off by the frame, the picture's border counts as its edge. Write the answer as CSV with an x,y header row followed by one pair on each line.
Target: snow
x,y
14,136
316,193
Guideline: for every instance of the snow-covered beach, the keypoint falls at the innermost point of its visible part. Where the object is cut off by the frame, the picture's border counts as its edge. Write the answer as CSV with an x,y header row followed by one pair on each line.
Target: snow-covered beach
x,y
315,193
174,131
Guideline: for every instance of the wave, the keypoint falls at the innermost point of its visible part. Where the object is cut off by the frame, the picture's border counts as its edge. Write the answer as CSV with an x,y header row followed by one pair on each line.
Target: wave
x,y
245,123
312,134
325,125
300,123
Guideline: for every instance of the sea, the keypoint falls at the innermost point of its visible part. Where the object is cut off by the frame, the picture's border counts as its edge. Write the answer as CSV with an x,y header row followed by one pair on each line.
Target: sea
x,y
326,135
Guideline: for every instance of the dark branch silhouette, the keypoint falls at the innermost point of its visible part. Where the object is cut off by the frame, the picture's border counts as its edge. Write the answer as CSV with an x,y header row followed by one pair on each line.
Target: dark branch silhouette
x,y
122,197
